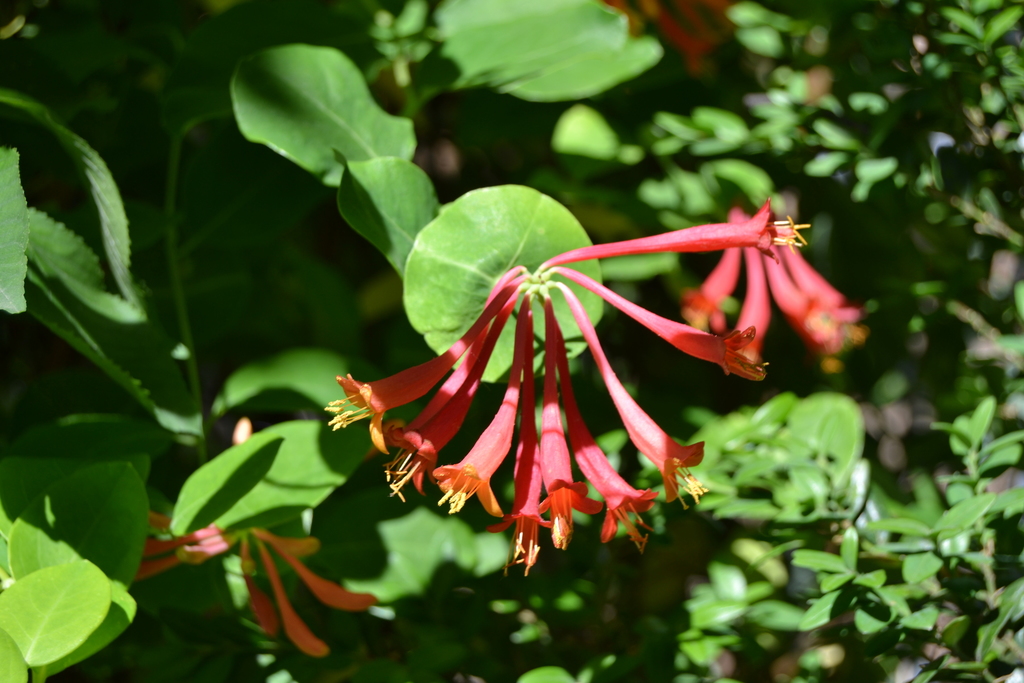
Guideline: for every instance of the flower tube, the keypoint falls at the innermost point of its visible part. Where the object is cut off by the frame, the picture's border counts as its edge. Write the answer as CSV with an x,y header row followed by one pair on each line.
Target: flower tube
x,y
701,307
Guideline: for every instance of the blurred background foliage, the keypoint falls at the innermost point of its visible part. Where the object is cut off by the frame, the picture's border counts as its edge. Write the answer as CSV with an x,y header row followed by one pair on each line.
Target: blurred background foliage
x,y
846,536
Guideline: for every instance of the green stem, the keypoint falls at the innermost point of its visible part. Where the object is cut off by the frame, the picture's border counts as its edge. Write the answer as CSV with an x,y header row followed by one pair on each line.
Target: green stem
x,y
180,306
4,575
39,674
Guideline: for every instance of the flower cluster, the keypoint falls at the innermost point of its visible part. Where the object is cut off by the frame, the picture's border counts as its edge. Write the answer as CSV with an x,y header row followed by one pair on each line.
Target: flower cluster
x,y
543,461
822,316
159,555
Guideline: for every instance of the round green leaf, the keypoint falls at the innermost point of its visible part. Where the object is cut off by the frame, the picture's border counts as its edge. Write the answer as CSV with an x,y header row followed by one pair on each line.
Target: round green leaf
x,y
312,462
920,566
51,612
387,201
547,674
96,514
461,254
307,102
119,616
216,486
12,666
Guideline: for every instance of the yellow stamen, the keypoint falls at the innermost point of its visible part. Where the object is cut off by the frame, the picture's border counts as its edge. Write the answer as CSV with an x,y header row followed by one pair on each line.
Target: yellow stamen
x,y
346,411
460,488
632,532
791,240
675,477
399,469
524,548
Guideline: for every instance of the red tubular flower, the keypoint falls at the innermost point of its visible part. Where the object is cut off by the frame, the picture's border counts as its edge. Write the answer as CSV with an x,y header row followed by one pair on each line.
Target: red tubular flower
x,y
372,399
721,350
473,474
621,498
671,458
701,307
564,495
327,592
294,627
757,311
822,318
262,607
754,232
526,506
420,444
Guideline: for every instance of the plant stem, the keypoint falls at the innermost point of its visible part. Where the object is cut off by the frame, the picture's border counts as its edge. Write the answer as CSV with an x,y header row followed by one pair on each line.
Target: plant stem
x,y
39,674
4,575
180,306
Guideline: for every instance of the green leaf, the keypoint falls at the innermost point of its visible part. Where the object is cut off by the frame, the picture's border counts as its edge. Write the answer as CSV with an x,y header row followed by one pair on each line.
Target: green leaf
x,y
964,514
51,612
65,293
871,171
297,379
13,234
825,164
820,612
728,581
99,514
901,525
831,424
761,40
1011,609
582,131
1008,503
119,616
48,453
313,460
872,617
638,267
753,181
830,582
981,420
873,579
923,620
198,86
105,195
12,665
540,51
307,103
216,486
850,548
834,136
955,630
964,20
458,258
718,614
1001,23
873,103
547,674
775,615
920,566
817,560
388,201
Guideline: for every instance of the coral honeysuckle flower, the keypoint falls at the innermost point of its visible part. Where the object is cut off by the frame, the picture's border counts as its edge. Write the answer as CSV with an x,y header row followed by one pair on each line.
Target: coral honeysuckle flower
x,y
757,308
671,458
721,350
372,399
528,478
753,232
473,474
702,307
820,315
621,498
432,429
210,541
564,495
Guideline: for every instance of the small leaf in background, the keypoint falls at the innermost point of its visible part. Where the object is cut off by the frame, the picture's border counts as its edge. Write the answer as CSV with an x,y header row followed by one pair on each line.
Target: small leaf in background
x,y
305,102
775,615
964,514
955,630
119,617
51,612
459,257
547,674
850,548
12,665
540,51
901,525
820,611
220,483
752,180
825,164
923,619
874,579
981,420
105,195
198,87
582,131
13,234
388,201
96,514
815,559
869,172
920,566
831,424
313,460
67,296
